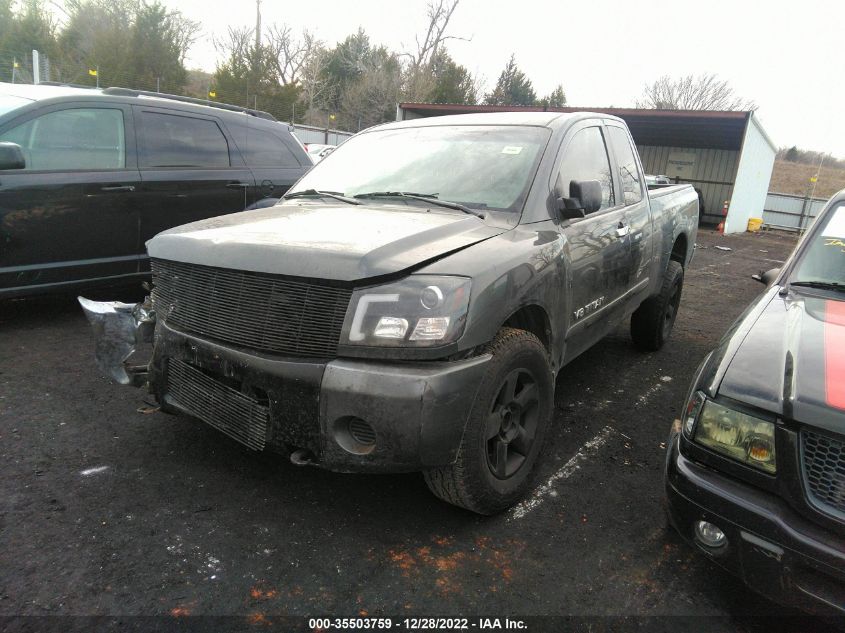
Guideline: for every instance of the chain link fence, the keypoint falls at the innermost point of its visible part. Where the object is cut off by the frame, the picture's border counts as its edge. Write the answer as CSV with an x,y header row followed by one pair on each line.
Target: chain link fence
x,y
15,68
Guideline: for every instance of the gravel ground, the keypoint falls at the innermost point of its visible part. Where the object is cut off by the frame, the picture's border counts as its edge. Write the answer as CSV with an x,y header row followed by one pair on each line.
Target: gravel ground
x,y
110,508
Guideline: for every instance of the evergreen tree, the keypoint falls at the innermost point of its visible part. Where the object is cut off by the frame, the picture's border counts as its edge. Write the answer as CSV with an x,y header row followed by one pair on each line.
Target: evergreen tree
x,y
555,99
512,88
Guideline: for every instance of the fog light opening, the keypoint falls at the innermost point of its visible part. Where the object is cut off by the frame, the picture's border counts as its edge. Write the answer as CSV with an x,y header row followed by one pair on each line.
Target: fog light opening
x,y
710,535
354,435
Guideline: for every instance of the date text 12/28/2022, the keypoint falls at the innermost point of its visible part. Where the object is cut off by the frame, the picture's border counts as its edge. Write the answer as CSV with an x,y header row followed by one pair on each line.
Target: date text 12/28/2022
x,y
415,624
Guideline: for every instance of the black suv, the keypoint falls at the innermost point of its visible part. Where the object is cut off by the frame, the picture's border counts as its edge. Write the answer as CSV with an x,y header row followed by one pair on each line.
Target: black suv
x,y
88,176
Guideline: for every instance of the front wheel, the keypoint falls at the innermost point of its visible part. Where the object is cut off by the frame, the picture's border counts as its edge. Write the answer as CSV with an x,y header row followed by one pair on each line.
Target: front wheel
x,y
505,429
652,322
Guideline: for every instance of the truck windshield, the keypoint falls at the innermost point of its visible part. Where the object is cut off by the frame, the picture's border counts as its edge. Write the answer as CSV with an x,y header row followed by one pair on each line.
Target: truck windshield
x,y
482,167
823,263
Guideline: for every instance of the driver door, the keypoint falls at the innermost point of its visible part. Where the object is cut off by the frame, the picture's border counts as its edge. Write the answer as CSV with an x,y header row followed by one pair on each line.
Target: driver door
x,y
596,247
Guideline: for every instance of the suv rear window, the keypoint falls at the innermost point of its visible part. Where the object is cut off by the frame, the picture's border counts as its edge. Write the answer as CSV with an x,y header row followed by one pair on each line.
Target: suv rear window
x,y
170,140
266,149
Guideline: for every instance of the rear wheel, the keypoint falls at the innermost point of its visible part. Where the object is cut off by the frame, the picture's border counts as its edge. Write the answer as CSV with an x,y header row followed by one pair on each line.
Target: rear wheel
x,y
505,429
652,322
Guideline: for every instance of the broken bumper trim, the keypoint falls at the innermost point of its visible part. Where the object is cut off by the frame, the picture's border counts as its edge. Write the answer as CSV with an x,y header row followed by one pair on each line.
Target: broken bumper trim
x,y
118,329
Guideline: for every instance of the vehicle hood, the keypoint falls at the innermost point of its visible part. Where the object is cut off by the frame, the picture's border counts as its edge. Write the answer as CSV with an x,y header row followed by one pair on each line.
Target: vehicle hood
x,y
788,357
341,242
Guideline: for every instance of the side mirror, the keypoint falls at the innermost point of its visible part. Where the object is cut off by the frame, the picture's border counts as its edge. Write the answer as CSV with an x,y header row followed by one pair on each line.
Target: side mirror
x,y
767,277
584,197
11,156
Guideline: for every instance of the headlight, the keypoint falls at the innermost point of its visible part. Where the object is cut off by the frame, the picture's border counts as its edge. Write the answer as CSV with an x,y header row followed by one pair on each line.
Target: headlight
x,y
418,311
737,435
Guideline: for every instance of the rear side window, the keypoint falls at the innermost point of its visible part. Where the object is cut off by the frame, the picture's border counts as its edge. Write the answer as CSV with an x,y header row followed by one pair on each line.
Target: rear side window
x,y
170,140
265,148
73,139
585,158
632,190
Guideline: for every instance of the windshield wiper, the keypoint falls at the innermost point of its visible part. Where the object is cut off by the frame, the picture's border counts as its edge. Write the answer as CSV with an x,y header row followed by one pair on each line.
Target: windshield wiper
x,y
313,193
425,197
822,285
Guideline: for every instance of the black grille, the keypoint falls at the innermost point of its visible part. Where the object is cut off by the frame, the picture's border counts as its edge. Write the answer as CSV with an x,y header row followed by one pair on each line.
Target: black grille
x,y
824,469
270,313
226,409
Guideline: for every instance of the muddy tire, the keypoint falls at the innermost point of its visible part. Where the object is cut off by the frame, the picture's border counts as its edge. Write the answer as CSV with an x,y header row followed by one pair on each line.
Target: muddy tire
x,y
652,322
505,430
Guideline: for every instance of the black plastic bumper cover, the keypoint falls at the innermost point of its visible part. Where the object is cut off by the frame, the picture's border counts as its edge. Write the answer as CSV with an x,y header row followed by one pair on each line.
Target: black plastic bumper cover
x,y
774,550
417,410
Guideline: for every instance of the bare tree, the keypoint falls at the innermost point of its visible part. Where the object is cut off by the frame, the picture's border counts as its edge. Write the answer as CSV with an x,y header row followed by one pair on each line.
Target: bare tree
x,y
439,12
420,80
316,88
288,53
372,99
236,44
702,92
186,33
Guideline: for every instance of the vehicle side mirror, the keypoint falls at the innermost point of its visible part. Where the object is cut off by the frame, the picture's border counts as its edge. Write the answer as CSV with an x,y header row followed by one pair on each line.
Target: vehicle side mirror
x,y
584,198
11,156
767,277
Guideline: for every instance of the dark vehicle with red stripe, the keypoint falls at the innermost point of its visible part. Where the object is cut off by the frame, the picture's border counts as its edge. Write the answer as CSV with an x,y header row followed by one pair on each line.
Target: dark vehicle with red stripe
x,y
755,470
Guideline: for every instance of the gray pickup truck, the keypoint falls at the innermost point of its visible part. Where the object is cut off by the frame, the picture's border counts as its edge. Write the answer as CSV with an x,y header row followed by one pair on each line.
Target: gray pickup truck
x,y
408,304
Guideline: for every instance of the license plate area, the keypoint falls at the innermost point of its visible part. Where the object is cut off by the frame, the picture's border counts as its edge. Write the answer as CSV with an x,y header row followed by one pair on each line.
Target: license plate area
x,y
242,416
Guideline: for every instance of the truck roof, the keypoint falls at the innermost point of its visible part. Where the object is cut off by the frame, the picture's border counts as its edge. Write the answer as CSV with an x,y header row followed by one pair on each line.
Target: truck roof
x,y
484,118
542,119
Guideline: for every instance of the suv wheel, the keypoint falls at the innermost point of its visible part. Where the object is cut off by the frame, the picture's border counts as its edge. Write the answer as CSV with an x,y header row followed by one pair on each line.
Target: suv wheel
x,y
505,430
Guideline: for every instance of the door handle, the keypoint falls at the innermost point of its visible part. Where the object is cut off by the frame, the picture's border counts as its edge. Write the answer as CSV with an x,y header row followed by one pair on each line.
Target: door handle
x,y
118,188
238,185
622,230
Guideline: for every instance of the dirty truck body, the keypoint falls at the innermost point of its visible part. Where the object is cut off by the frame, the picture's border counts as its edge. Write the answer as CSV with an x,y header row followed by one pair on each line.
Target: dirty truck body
x,y
368,323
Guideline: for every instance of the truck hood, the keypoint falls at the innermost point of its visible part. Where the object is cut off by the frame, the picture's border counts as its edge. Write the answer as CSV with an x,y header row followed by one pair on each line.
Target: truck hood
x,y
340,241
791,359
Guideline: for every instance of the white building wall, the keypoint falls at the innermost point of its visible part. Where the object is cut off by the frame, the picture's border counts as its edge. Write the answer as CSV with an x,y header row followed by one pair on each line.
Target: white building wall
x,y
752,178
712,166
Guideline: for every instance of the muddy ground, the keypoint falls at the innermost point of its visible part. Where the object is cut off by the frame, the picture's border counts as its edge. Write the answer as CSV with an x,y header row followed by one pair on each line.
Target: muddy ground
x,y
109,509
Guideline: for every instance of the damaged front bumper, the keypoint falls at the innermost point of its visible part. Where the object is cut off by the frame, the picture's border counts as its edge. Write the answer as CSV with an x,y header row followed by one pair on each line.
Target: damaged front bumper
x,y
119,328
342,414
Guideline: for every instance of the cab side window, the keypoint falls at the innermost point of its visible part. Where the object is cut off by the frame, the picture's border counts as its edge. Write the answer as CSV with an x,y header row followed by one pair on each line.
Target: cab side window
x,y
632,189
72,139
170,140
585,158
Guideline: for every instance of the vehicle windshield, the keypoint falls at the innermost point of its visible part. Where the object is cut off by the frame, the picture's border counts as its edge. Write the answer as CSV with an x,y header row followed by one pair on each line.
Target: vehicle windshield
x,y
483,167
824,260
10,102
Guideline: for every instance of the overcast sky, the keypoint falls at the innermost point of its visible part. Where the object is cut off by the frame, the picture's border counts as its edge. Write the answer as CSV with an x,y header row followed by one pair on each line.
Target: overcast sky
x,y
785,55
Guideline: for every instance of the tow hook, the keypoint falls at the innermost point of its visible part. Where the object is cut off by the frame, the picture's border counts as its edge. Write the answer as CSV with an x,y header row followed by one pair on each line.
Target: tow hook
x,y
302,457
118,329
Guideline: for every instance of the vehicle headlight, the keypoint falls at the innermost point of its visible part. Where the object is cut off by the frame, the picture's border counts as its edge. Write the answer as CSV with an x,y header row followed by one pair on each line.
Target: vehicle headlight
x,y
418,311
737,435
